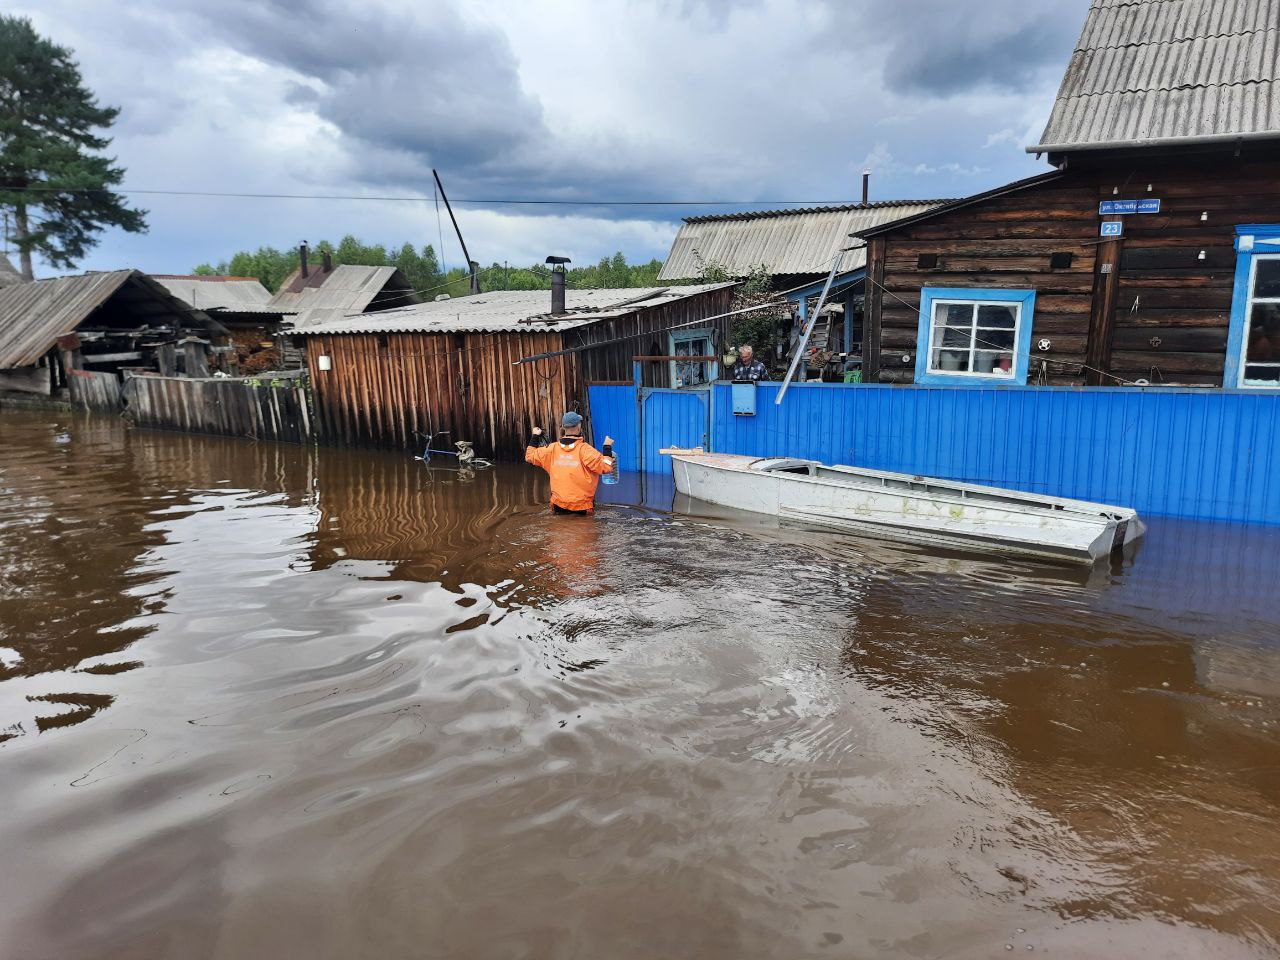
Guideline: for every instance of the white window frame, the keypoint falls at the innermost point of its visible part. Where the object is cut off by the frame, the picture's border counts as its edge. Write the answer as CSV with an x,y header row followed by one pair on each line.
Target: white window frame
x,y
1007,377
1250,301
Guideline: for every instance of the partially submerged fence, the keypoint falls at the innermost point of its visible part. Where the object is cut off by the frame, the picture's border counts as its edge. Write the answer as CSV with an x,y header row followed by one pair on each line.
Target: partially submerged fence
x,y
1210,454
261,408
93,389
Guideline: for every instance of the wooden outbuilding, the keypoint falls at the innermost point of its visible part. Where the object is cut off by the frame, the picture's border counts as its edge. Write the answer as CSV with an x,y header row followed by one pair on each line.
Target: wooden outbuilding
x,y
1150,254
255,343
394,377
80,336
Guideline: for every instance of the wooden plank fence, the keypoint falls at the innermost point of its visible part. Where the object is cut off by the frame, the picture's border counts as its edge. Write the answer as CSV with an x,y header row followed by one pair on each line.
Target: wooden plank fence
x,y
261,408
94,390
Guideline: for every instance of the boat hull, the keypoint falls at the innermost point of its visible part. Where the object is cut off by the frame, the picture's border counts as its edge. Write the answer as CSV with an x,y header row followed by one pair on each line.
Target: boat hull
x,y
911,509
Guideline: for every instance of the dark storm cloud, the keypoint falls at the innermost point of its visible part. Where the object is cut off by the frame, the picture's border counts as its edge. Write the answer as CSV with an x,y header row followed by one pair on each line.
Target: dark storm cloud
x,y
948,49
423,92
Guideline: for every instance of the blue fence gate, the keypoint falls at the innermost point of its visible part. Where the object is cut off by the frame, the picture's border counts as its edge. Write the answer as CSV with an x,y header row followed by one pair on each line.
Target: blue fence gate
x,y
644,420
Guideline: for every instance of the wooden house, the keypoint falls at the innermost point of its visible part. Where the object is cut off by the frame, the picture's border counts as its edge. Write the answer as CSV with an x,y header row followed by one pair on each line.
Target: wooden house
x,y
796,248
392,377
1149,254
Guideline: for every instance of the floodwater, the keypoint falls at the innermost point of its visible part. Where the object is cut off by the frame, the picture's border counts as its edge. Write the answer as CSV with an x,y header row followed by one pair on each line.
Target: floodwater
x,y
266,702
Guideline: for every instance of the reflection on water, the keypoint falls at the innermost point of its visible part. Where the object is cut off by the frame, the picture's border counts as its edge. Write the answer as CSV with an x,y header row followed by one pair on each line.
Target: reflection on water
x,y
264,701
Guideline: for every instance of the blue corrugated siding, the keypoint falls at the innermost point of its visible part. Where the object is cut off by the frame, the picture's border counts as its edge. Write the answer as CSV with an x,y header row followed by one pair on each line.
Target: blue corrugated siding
x,y
613,413
1208,454
673,418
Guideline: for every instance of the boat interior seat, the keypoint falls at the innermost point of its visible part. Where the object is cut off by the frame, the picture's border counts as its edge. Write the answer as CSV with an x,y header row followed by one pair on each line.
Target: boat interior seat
x,y
805,468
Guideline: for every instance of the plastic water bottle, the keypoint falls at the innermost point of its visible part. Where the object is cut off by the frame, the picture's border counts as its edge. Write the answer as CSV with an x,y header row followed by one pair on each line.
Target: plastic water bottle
x,y
612,476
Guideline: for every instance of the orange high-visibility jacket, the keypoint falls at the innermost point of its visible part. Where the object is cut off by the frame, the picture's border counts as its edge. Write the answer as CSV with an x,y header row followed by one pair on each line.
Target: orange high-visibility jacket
x,y
575,471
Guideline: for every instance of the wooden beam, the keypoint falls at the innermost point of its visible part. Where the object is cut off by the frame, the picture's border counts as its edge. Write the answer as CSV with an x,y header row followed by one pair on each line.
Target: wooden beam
x,y
688,359
872,310
111,357
1102,312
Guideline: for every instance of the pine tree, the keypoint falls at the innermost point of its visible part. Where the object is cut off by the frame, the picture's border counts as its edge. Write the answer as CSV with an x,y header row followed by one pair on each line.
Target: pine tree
x,y
51,174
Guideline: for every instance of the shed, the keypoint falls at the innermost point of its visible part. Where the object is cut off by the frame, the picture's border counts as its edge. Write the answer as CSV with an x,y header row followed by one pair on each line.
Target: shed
x,y
243,306
389,378
89,328
1151,254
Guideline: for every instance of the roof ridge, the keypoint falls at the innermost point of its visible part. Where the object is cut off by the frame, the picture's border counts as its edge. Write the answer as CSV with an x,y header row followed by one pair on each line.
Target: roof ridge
x,y
831,208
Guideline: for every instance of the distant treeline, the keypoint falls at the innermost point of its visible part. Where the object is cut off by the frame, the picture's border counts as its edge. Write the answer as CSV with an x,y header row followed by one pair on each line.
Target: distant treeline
x,y
272,266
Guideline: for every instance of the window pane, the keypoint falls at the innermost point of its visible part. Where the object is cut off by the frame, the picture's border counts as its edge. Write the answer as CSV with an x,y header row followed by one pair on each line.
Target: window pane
x,y
1267,374
1000,339
1266,277
997,315
955,361
993,361
1264,332
952,337
953,315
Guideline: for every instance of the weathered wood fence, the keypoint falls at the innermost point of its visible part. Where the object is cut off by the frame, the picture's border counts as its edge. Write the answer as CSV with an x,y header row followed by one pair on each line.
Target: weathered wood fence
x,y
262,408
93,389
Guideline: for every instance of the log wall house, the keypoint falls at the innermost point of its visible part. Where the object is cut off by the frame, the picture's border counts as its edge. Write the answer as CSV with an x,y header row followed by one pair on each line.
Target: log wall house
x,y
1149,255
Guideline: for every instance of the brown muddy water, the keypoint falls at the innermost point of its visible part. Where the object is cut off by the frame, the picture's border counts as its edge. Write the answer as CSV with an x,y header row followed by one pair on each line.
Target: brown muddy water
x,y
267,702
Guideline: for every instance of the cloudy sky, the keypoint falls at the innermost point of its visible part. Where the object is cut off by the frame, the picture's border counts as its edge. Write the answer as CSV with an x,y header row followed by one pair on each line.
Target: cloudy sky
x,y
768,101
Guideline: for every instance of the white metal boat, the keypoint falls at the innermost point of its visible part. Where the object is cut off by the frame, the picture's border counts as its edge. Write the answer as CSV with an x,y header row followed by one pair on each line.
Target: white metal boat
x,y
897,506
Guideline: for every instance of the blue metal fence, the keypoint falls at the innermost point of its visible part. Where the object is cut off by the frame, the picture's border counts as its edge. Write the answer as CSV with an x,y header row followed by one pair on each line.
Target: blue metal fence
x,y
1210,454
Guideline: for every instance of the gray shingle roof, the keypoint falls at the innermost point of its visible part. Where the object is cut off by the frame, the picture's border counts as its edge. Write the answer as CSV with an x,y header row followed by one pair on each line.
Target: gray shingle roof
x,y
212,293
785,241
1162,71
345,290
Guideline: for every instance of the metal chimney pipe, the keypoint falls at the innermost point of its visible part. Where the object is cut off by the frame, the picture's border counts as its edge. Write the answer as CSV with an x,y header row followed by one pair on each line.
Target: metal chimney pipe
x,y
557,285
327,260
302,256
557,292
866,186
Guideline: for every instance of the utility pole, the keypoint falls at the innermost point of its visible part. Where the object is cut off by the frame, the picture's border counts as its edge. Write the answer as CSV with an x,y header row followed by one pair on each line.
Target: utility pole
x,y
471,264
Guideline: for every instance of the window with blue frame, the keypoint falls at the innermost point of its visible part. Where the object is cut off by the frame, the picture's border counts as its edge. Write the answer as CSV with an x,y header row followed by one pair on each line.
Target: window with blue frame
x,y
1253,344
973,336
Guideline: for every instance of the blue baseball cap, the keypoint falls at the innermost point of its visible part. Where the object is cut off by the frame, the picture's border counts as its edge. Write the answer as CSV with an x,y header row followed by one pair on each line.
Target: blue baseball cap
x,y
571,419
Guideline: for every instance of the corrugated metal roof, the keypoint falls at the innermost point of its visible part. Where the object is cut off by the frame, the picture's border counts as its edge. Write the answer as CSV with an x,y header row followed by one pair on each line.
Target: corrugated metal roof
x,y
345,290
785,241
507,310
8,275
209,293
34,315
1167,70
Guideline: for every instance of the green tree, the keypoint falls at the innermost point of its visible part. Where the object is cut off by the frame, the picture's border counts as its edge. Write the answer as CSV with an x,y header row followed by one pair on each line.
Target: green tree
x,y
52,175
422,269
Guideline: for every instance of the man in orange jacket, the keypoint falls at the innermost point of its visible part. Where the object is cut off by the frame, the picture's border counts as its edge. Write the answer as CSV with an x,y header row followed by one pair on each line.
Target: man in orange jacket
x,y
574,465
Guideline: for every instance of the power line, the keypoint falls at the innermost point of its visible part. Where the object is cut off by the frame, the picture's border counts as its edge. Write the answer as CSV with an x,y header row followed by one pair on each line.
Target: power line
x,y
489,201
